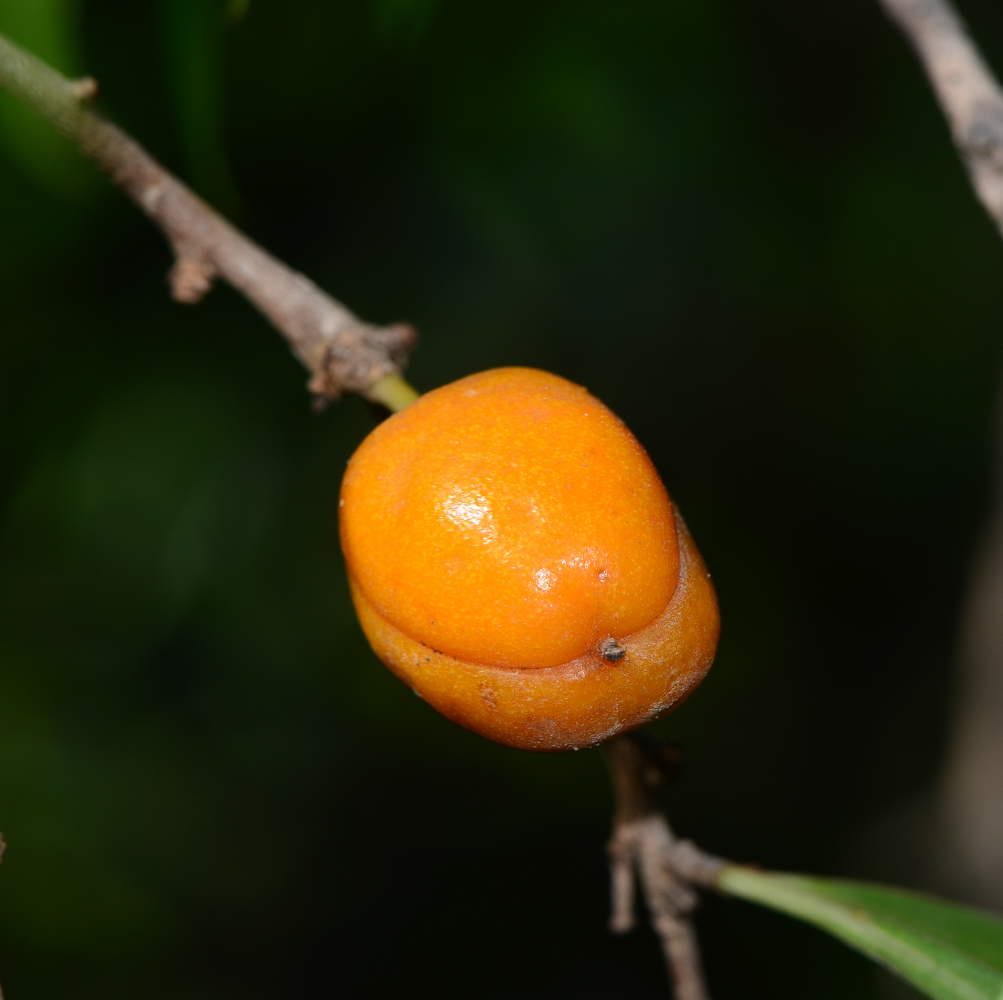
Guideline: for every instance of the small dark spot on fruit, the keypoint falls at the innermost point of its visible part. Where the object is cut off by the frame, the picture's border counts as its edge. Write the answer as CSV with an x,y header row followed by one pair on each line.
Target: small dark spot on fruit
x,y
611,650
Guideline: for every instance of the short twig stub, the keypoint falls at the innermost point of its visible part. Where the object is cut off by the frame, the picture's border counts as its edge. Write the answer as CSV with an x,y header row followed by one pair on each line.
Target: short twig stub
x,y
85,89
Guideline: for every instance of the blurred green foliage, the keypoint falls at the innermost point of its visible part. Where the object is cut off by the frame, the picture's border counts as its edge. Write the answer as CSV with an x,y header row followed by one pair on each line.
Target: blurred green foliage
x,y
194,42
742,225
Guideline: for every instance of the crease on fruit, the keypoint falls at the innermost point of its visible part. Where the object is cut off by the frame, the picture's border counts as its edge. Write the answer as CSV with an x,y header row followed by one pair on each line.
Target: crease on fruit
x,y
579,703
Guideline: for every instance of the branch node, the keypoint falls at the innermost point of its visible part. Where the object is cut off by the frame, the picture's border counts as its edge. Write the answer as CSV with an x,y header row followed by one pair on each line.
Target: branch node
x,y
190,280
324,384
358,356
692,864
319,403
85,89
643,848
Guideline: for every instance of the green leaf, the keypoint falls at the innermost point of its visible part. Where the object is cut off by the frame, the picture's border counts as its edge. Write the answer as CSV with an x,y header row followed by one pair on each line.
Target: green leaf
x,y
950,952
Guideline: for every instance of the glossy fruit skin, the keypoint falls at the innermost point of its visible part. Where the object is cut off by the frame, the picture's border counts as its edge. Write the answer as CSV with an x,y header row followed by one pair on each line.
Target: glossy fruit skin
x,y
496,533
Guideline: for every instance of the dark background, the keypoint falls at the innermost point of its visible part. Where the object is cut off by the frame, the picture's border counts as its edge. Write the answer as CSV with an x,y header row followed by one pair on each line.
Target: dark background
x,y
739,222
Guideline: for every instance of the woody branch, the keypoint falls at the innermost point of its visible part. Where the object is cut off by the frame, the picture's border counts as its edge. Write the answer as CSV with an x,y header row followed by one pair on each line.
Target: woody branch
x,y
340,351
644,851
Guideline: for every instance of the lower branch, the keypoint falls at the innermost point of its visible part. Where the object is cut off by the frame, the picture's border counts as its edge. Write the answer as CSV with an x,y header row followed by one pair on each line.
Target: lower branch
x,y
644,849
340,351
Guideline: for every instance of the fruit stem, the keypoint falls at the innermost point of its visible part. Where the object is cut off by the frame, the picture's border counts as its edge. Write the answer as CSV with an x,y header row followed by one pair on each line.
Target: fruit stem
x,y
393,392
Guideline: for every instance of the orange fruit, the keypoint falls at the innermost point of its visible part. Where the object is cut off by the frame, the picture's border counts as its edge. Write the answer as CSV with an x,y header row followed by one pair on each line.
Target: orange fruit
x,y
515,558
